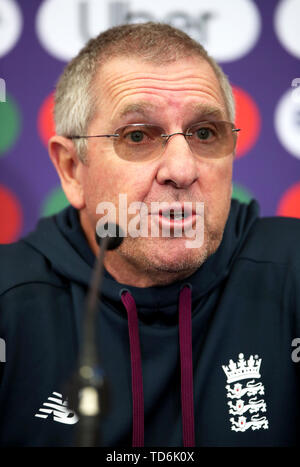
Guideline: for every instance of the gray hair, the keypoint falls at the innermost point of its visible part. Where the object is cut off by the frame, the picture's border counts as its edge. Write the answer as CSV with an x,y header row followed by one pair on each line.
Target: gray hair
x,y
75,97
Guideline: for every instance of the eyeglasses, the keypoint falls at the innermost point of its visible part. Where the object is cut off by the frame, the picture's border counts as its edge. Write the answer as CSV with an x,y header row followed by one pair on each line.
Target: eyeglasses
x,y
141,142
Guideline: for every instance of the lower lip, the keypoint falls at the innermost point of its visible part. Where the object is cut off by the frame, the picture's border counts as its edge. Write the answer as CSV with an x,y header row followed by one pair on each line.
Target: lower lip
x,y
184,223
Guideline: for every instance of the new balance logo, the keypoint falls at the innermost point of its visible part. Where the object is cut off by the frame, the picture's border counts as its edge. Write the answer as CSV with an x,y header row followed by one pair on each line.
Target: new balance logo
x,y
59,410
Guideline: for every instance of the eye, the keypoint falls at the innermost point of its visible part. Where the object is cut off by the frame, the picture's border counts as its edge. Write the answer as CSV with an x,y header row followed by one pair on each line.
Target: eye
x,y
141,135
204,133
136,136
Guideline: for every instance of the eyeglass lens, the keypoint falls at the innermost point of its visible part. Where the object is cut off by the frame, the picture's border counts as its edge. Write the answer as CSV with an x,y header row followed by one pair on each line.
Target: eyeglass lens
x,y
140,142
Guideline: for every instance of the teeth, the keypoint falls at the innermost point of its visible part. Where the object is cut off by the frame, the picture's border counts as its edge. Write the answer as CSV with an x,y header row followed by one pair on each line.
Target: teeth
x,y
174,215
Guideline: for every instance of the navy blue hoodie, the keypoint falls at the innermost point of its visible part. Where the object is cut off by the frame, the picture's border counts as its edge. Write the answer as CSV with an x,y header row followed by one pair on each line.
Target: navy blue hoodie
x,y
245,317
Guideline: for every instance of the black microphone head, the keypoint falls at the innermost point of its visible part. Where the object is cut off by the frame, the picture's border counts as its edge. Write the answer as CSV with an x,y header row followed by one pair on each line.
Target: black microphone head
x,y
115,234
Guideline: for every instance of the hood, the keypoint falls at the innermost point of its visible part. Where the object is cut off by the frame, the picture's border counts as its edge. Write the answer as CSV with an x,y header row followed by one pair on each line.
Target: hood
x,y
61,241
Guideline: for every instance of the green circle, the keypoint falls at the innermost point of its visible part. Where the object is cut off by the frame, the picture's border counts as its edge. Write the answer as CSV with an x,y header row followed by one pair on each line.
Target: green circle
x,y
10,123
241,193
54,202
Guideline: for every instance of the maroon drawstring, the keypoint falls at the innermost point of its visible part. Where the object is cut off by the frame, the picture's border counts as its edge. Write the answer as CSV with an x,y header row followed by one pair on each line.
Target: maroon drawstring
x,y
136,371
186,362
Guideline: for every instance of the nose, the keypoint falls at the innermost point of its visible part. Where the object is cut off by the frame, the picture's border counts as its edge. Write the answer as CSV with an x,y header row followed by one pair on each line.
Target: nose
x,y
178,165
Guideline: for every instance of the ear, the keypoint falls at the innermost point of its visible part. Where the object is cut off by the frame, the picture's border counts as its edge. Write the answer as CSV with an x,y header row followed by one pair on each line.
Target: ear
x,y
69,168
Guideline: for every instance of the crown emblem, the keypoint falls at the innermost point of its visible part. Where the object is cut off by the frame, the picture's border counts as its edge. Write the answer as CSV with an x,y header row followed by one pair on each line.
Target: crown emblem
x,y
243,368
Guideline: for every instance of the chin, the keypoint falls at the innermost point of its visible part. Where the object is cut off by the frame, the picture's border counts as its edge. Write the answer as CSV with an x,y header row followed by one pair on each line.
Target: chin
x,y
180,260
166,255
159,261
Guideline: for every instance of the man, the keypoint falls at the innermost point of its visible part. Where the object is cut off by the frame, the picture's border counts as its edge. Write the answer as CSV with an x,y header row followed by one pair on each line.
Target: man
x,y
195,334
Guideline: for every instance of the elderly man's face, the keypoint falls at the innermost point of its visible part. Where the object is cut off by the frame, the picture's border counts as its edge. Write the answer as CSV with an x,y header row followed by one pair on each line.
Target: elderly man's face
x,y
174,97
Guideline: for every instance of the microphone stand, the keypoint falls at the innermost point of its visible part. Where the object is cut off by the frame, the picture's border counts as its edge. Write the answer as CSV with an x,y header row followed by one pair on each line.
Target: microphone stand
x,y
90,382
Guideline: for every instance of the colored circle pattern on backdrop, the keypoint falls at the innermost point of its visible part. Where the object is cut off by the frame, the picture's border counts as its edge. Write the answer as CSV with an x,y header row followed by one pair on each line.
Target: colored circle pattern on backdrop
x,y
289,204
54,202
248,119
286,23
46,126
287,121
10,124
233,34
11,26
11,216
241,193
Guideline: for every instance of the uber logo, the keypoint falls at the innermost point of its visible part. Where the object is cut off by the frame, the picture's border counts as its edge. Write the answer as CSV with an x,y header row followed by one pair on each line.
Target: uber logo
x,y
122,13
64,27
194,25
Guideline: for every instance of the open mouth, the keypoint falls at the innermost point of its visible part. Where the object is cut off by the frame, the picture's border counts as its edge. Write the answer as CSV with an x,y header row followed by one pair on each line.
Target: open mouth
x,y
176,215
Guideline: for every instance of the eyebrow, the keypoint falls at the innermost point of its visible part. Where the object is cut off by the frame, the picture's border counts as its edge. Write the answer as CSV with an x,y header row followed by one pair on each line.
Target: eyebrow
x,y
207,111
202,110
141,108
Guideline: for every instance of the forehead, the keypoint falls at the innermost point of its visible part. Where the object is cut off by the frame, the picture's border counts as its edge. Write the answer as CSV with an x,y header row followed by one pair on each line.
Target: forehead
x,y
126,87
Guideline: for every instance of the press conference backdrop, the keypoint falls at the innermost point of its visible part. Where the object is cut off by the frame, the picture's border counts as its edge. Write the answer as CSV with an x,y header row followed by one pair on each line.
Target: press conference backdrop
x,y
256,41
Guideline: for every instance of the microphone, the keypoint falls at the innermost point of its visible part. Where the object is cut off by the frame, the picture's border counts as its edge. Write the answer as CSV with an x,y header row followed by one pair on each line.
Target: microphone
x,y
114,241
91,385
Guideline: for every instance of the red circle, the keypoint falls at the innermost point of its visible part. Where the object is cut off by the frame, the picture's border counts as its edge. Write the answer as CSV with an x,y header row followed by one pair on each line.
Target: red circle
x,y
46,126
11,216
289,204
248,119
